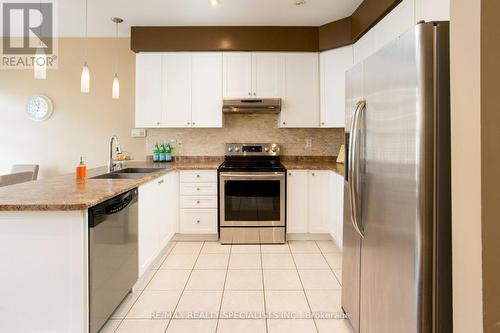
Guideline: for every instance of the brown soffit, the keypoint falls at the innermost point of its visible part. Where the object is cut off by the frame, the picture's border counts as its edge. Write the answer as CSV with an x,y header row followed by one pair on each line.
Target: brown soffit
x,y
157,39
259,38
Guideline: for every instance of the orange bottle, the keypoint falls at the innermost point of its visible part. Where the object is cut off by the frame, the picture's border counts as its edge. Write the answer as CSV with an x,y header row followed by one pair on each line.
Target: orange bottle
x,y
81,171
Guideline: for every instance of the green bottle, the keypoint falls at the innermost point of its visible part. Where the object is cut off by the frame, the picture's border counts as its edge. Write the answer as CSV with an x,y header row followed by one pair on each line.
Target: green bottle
x,y
156,153
169,153
163,153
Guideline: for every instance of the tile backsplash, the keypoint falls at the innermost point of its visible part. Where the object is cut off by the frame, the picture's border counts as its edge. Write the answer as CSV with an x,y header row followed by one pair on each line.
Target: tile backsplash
x,y
250,128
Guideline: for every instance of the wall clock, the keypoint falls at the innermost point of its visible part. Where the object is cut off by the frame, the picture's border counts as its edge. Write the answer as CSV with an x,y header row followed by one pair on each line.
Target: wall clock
x,y
39,107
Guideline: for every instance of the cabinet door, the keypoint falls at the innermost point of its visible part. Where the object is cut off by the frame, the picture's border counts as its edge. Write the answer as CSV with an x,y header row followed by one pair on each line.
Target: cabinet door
x,y
319,201
148,91
300,90
333,65
161,210
339,196
177,89
237,74
207,89
397,22
432,10
266,75
172,206
148,239
297,202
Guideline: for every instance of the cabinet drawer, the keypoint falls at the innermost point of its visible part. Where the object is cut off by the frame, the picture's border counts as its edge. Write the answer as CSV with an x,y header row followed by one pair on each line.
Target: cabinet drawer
x,y
198,189
198,221
199,202
201,176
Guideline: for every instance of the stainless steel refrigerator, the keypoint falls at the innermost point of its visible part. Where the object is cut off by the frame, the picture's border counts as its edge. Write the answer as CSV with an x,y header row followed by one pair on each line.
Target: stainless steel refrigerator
x,y
396,270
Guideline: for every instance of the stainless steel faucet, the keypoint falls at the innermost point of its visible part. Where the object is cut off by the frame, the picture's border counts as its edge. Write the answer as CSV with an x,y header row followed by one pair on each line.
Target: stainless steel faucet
x,y
111,162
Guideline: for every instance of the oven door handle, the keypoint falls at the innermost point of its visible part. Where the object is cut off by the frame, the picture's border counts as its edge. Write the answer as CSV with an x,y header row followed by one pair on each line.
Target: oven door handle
x,y
253,175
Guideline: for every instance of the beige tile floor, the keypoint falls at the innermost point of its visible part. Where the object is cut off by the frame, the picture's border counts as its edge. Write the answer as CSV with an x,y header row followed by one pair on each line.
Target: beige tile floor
x,y
208,287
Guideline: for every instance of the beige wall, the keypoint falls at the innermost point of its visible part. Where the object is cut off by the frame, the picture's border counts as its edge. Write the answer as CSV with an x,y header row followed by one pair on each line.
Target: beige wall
x,y
250,128
466,165
82,123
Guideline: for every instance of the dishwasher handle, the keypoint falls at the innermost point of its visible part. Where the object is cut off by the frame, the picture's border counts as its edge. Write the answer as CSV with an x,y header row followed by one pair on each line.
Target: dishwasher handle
x,y
97,214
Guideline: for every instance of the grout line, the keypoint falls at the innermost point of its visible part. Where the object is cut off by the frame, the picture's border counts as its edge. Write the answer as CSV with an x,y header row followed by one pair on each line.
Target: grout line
x,y
185,284
263,287
303,290
331,268
223,289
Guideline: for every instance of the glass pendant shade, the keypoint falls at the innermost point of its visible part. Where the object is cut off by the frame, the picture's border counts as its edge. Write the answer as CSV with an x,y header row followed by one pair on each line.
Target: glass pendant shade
x,y
116,87
85,79
40,65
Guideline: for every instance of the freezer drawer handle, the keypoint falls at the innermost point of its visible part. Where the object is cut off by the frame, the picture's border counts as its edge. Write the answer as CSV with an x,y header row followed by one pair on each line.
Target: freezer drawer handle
x,y
354,167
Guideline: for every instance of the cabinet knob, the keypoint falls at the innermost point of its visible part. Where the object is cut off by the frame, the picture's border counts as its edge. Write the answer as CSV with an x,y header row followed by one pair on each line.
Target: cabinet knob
x,y
158,123
322,123
197,176
160,182
255,94
249,94
313,174
188,123
198,221
289,173
284,123
194,123
197,189
198,202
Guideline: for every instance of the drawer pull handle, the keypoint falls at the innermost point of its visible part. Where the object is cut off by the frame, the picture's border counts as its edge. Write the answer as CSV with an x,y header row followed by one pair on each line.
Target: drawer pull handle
x,y
198,201
198,221
197,189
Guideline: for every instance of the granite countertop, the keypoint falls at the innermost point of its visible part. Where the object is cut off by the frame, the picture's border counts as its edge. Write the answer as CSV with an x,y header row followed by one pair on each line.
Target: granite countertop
x,y
63,193
313,163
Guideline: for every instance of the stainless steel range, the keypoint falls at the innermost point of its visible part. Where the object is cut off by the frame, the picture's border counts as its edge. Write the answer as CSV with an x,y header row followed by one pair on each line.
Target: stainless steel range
x,y
252,187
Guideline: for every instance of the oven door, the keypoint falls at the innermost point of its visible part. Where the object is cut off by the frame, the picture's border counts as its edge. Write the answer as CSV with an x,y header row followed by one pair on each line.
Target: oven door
x,y
250,199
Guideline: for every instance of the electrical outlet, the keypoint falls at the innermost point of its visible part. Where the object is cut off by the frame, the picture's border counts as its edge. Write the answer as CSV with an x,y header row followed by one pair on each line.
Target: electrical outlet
x,y
309,143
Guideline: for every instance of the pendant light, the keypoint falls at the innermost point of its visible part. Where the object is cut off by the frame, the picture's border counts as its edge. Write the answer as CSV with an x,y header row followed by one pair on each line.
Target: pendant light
x,y
40,59
116,83
85,77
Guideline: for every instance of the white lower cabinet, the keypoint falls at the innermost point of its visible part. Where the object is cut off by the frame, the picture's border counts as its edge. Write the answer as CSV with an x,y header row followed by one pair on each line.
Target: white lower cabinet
x,y
198,202
158,217
315,203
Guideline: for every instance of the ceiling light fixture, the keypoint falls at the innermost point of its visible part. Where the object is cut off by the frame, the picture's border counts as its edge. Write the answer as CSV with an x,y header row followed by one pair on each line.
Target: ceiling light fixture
x,y
85,77
300,2
214,3
116,83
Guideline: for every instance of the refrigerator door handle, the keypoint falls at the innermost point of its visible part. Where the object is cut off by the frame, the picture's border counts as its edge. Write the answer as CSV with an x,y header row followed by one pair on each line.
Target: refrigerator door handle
x,y
354,167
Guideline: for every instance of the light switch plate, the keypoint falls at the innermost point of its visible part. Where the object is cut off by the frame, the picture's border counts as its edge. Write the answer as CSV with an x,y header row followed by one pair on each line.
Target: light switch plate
x,y
138,133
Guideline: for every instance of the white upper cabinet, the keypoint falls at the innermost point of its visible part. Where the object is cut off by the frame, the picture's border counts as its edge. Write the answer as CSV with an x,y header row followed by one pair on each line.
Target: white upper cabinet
x,y
266,74
148,90
206,89
252,75
300,104
432,10
237,74
177,89
333,65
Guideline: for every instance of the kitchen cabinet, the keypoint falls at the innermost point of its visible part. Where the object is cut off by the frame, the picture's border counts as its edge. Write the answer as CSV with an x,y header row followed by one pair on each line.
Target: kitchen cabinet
x,y
432,10
333,65
252,75
300,77
297,192
198,202
178,89
320,201
158,217
337,208
148,90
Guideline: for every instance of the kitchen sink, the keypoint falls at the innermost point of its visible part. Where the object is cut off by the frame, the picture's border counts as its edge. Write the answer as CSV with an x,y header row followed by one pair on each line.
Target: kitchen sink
x,y
137,170
115,175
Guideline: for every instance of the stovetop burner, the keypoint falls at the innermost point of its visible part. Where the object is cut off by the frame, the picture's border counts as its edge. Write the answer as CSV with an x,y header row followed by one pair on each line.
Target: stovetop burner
x,y
261,157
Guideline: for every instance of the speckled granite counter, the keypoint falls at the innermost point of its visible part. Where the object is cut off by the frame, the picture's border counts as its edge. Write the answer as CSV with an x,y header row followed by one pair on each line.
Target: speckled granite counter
x,y
64,193
313,163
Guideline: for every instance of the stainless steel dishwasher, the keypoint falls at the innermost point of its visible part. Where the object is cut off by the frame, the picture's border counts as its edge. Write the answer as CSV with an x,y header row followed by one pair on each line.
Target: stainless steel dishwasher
x,y
113,257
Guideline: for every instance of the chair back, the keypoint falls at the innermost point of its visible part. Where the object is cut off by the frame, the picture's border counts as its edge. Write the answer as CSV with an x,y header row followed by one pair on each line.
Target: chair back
x,y
16,178
33,168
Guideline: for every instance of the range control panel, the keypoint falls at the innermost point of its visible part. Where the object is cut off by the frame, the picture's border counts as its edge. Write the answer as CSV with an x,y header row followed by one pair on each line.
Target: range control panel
x,y
252,149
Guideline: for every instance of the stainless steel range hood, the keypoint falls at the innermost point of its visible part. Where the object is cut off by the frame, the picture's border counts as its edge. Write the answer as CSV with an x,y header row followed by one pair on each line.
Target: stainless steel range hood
x,y
252,105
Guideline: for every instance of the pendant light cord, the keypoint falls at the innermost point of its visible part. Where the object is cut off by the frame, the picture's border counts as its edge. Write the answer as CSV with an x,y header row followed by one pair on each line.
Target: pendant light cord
x,y
116,50
86,29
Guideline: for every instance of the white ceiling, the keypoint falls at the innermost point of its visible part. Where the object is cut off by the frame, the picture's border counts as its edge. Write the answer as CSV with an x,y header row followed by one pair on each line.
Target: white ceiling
x,y
195,12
